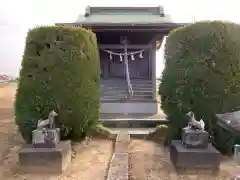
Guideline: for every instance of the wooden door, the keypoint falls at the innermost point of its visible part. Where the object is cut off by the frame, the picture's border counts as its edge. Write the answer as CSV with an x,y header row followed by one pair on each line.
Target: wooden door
x,y
117,69
143,68
139,69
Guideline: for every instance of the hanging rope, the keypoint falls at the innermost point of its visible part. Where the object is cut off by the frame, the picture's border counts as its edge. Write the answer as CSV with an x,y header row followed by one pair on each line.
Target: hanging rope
x,y
140,52
129,53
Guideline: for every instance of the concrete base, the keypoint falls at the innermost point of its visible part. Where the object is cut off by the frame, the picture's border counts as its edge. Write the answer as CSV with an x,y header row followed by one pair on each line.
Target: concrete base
x,y
129,107
45,160
194,158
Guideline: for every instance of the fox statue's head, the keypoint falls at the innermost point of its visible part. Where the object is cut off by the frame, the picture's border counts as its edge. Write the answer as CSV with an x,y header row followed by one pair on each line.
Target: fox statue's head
x,y
53,113
190,114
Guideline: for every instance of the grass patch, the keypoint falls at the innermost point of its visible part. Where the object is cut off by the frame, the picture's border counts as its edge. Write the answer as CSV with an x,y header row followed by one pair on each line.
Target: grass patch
x,y
99,131
160,134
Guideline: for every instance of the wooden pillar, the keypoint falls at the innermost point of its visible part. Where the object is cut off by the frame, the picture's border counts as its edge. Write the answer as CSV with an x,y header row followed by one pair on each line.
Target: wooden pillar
x,y
126,58
153,64
153,59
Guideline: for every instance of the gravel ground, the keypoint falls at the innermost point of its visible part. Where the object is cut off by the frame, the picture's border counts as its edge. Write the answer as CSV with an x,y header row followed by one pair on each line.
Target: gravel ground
x,y
90,160
90,163
150,161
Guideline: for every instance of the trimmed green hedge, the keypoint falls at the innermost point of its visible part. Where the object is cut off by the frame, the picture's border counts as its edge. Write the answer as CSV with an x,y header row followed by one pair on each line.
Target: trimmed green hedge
x,y
202,74
60,71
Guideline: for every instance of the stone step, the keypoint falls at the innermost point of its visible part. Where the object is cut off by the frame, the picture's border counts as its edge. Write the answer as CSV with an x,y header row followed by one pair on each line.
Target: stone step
x,y
113,90
148,116
142,89
141,82
132,121
136,92
116,95
116,86
110,93
112,82
142,93
141,85
124,100
124,80
119,97
112,86
112,99
125,91
132,131
125,96
141,97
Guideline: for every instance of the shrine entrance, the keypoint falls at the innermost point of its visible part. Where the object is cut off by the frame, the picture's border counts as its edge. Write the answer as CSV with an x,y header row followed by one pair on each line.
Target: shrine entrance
x,y
114,67
119,58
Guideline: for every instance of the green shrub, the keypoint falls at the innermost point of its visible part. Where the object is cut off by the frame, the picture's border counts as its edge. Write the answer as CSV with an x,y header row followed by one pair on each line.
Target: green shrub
x,y
60,71
202,74
162,126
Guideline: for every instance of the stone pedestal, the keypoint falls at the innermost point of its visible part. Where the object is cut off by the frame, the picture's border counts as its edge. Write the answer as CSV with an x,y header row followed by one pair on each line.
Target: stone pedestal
x,y
49,141
45,160
195,139
194,158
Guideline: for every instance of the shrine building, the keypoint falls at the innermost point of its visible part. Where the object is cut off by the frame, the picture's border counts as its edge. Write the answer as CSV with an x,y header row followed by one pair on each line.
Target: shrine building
x,y
128,38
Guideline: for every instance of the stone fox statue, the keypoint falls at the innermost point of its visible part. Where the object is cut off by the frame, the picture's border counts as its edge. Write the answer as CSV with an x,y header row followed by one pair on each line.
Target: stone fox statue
x,y
50,121
193,123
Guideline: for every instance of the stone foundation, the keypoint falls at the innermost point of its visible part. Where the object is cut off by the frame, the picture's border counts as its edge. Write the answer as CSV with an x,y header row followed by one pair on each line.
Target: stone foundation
x,y
194,158
45,160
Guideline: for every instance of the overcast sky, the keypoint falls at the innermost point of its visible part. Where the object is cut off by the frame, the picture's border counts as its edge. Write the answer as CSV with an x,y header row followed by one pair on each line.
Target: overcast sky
x,y
17,16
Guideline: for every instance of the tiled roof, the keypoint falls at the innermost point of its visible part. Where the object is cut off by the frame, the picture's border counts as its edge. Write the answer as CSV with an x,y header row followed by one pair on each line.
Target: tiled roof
x,y
123,19
124,15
